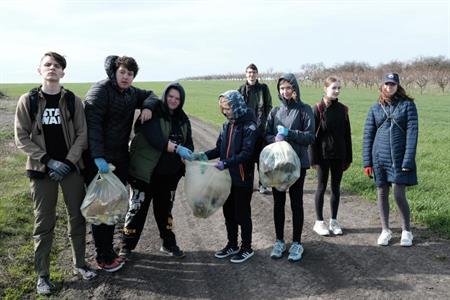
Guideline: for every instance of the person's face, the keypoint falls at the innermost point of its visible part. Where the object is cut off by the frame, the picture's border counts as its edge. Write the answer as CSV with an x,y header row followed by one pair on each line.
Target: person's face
x,y
333,90
124,77
173,99
390,88
226,108
251,76
50,69
286,90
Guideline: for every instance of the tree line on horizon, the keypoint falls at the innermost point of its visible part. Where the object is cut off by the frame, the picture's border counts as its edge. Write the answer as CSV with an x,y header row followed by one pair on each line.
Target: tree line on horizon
x,y
421,72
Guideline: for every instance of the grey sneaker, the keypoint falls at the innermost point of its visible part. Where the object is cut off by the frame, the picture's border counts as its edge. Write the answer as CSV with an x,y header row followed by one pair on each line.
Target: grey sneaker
x,y
44,286
85,272
174,251
278,249
334,227
295,252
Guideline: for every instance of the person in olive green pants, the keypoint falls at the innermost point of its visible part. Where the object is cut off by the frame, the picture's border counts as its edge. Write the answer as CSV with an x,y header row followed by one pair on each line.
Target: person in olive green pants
x,y
50,127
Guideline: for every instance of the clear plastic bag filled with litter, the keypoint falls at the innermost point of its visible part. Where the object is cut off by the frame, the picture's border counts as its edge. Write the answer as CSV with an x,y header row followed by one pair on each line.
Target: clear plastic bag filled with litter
x,y
279,166
106,200
205,187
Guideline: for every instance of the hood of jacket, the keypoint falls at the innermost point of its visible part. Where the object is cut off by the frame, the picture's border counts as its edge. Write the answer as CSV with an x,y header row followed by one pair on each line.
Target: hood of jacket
x,y
236,102
289,77
180,89
110,68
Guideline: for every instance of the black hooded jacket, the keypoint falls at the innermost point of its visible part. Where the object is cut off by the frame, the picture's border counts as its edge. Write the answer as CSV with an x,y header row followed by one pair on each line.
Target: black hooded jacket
x,y
169,163
110,113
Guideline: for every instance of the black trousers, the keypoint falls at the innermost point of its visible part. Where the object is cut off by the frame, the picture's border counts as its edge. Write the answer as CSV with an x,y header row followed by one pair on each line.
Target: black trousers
x,y
237,211
104,234
162,192
296,196
323,170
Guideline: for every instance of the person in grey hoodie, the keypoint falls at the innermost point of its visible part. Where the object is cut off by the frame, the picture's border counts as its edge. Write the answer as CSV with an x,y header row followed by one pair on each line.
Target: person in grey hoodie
x,y
293,122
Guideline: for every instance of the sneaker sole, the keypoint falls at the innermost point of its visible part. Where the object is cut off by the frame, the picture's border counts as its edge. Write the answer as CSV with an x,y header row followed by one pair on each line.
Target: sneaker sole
x,y
242,260
114,269
295,260
406,244
170,253
225,256
75,273
322,234
278,257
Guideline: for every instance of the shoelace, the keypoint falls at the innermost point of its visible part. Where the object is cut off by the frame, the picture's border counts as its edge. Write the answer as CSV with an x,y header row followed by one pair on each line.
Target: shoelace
x,y
279,246
296,248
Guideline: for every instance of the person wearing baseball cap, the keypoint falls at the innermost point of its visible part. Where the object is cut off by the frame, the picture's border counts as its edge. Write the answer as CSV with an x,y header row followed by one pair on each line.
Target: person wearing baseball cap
x,y
389,152
391,78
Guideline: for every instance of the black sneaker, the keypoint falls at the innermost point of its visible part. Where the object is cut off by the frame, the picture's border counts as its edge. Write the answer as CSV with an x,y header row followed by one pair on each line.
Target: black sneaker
x,y
227,251
172,251
242,256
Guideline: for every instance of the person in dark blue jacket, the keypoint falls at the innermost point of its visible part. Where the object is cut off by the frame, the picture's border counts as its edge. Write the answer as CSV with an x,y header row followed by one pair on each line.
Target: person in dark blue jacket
x,y
234,148
389,151
293,122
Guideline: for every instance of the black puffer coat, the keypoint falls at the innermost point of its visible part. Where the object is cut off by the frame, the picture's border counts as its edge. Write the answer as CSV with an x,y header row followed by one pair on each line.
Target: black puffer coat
x,y
110,113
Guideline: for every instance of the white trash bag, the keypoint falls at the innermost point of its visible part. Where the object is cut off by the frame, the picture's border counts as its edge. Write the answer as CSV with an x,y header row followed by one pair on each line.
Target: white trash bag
x,y
106,200
279,166
205,187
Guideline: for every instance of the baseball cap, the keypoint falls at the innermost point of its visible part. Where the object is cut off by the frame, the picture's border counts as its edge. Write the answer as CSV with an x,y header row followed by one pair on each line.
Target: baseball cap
x,y
391,77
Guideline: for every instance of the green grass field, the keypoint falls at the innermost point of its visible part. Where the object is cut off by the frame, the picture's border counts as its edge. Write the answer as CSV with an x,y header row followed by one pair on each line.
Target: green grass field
x,y
429,201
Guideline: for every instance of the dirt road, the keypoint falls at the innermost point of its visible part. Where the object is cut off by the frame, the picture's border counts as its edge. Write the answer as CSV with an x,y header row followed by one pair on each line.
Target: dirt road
x,y
348,266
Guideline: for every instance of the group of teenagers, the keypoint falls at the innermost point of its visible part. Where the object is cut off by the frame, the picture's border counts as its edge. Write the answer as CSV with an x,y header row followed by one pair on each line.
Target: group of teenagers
x,y
68,142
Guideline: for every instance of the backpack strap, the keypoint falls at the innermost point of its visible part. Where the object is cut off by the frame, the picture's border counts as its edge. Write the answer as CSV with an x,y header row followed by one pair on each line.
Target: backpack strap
x,y
70,99
33,98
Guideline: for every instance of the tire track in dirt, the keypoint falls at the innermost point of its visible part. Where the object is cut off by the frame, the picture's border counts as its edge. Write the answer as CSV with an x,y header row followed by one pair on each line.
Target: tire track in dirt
x,y
348,266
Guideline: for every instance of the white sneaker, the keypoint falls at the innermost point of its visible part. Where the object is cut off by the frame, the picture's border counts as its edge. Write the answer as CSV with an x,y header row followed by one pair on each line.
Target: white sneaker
x,y
334,227
385,237
407,239
321,228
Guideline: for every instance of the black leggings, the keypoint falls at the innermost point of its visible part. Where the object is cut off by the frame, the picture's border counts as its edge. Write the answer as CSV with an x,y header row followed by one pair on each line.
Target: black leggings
x,y
323,170
296,196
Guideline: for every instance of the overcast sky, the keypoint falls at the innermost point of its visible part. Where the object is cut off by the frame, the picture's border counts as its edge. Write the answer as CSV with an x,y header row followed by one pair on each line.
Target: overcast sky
x,y
175,39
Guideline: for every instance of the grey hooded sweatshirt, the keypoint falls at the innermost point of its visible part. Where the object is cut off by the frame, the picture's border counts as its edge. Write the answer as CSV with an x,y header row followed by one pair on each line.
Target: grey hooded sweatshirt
x,y
297,117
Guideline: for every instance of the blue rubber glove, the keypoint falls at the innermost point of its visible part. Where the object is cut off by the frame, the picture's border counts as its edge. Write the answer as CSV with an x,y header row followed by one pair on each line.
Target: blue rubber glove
x,y
102,165
59,167
282,130
184,152
199,156
220,165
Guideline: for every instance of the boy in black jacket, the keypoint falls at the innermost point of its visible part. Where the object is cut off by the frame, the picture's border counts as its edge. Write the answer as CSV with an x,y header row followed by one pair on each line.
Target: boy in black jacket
x,y
235,147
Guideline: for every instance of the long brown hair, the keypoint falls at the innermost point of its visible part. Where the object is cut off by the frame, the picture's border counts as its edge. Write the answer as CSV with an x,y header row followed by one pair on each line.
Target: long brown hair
x,y
384,98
